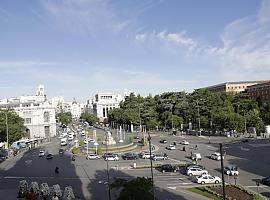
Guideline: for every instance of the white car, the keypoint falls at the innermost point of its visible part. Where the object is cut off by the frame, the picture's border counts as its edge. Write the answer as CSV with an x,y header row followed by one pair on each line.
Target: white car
x,y
83,133
207,178
184,142
216,156
92,157
159,157
171,147
196,171
89,140
112,157
41,153
146,155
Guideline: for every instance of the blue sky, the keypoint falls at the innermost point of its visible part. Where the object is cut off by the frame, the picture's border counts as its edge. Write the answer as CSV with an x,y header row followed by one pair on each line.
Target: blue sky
x,y
79,47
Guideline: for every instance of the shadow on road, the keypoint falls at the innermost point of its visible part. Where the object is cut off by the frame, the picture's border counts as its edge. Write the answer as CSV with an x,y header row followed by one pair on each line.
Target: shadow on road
x,y
98,187
32,168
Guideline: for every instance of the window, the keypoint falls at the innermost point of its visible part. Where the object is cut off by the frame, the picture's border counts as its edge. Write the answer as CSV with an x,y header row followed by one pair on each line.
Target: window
x,y
27,120
104,112
46,116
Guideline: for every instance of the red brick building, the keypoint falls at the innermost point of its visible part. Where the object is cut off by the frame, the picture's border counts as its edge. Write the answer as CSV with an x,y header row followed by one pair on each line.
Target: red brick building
x,y
261,91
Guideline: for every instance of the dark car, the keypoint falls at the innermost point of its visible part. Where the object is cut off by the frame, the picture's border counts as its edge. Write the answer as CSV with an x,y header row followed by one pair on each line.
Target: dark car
x,y
130,156
107,155
61,151
2,158
49,156
266,181
163,141
168,168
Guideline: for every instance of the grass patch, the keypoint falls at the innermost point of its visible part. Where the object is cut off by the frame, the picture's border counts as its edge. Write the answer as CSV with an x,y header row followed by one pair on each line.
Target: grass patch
x,y
202,192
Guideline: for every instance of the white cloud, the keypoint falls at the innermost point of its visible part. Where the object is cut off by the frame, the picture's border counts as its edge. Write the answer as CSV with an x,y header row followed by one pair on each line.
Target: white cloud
x,y
84,16
23,64
244,53
178,39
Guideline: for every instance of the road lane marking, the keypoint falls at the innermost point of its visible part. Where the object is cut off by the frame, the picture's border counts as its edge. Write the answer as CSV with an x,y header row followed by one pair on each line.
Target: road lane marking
x,y
13,177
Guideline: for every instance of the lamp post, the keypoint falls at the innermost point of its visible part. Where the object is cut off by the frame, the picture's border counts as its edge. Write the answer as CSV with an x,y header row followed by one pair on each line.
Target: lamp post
x,y
107,163
7,131
151,163
222,170
172,115
199,120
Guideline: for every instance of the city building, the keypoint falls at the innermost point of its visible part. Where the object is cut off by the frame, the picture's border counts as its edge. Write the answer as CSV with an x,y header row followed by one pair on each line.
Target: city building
x,y
260,91
233,87
38,118
37,112
103,102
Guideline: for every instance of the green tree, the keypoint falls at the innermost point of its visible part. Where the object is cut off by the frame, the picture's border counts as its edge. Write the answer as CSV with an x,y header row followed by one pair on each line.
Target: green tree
x,y
90,118
135,189
64,117
16,128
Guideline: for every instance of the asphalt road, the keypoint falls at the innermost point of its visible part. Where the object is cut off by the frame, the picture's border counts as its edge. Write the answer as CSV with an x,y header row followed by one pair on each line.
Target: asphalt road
x,y
88,178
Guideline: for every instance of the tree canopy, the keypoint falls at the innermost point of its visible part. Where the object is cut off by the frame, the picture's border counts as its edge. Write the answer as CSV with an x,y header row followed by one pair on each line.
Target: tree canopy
x,y
90,118
64,117
215,111
135,189
16,128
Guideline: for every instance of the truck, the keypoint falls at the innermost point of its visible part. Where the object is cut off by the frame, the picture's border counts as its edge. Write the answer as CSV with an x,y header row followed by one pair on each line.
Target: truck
x,y
63,142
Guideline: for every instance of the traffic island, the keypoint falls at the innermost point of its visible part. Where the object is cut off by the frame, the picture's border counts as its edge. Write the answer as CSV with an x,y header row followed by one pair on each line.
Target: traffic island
x,y
233,192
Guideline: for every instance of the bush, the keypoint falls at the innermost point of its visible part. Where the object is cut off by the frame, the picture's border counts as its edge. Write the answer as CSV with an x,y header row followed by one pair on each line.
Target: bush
x,y
75,150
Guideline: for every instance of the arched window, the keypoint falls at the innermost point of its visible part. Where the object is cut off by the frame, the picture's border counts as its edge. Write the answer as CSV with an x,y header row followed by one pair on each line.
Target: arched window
x,y
46,116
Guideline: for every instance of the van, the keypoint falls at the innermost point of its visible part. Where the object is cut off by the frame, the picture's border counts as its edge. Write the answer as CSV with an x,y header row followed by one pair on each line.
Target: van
x,y
196,156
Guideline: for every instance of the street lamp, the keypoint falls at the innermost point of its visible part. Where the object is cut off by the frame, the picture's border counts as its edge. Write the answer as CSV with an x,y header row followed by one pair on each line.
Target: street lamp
x,y
199,120
151,163
172,115
6,113
107,163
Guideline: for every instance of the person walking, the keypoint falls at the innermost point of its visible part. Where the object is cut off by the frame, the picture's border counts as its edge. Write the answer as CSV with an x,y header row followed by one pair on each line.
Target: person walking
x,y
55,197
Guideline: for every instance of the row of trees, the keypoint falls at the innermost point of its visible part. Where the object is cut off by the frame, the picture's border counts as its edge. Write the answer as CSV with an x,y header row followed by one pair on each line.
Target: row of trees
x,y
204,109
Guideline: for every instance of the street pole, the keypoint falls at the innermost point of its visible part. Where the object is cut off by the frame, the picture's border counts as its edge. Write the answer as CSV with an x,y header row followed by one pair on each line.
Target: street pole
x,y
140,121
107,162
222,171
87,143
199,120
7,132
151,163
172,115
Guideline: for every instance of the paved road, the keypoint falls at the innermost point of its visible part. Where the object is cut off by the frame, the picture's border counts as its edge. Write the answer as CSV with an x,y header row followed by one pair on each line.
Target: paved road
x,y
89,179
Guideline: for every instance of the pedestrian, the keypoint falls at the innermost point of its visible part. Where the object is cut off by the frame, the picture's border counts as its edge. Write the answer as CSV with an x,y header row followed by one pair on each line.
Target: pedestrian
x,y
55,197
42,196
196,147
191,154
184,148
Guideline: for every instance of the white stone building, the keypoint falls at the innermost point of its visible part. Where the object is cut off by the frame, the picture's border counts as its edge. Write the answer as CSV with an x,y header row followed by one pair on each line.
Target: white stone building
x,y
38,114
103,102
38,118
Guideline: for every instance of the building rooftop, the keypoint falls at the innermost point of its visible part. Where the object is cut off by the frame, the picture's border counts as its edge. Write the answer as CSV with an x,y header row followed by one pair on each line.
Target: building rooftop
x,y
236,82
